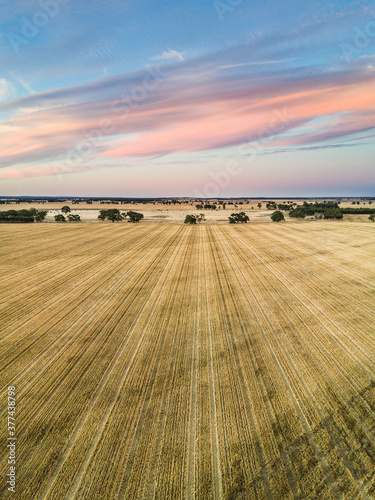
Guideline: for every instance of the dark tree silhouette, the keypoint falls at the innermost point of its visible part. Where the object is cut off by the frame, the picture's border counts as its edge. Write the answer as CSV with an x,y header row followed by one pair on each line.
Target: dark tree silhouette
x,y
238,217
277,216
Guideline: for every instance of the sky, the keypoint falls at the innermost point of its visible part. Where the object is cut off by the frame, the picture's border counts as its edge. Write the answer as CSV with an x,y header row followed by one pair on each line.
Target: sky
x,y
187,98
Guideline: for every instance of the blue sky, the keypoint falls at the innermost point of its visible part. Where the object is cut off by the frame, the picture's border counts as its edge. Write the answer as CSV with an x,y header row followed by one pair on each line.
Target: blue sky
x,y
226,98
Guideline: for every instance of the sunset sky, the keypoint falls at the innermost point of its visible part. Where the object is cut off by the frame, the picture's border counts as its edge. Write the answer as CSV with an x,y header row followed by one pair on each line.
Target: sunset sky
x,y
187,98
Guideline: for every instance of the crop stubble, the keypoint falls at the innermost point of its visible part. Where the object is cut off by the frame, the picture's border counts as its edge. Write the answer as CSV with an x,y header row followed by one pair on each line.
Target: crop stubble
x,y
169,361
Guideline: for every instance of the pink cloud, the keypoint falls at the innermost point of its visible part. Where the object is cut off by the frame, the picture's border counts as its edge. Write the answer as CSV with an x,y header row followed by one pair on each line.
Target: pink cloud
x,y
45,171
24,173
206,110
228,123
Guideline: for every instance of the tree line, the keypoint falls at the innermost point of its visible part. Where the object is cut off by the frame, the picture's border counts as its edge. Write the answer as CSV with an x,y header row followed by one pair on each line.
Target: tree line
x,y
22,216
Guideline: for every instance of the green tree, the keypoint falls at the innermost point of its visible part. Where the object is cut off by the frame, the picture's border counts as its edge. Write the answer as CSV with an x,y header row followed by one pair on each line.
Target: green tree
x,y
60,218
102,215
40,216
259,205
283,206
200,217
277,216
65,209
333,213
134,216
271,205
17,216
238,217
74,218
365,211
112,214
299,213
190,219
372,217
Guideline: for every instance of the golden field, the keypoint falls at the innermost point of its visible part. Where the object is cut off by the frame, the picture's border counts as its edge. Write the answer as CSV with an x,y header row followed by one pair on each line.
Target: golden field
x,y
190,362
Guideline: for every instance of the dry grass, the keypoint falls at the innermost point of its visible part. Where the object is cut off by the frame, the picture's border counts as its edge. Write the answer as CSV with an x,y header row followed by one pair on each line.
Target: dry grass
x,y
165,361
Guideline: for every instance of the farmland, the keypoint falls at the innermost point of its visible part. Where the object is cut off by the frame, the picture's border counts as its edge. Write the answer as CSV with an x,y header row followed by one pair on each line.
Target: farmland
x,y
168,361
157,211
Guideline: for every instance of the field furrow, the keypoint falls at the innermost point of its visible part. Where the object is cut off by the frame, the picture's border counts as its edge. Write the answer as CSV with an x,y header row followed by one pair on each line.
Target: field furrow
x,y
167,361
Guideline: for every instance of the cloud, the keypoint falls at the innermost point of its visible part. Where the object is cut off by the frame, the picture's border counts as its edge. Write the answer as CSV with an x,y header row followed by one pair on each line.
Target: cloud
x,y
45,171
253,63
192,106
169,55
313,148
26,86
7,90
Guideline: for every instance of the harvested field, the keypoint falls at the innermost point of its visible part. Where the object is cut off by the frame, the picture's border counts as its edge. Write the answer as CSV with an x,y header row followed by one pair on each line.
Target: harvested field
x,y
168,361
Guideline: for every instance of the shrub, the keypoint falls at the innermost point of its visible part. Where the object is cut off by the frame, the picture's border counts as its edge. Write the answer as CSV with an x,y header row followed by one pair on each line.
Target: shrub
x,y
113,214
236,218
134,216
40,216
299,213
350,210
284,206
190,219
60,218
74,218
333,213
271,205
277,216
